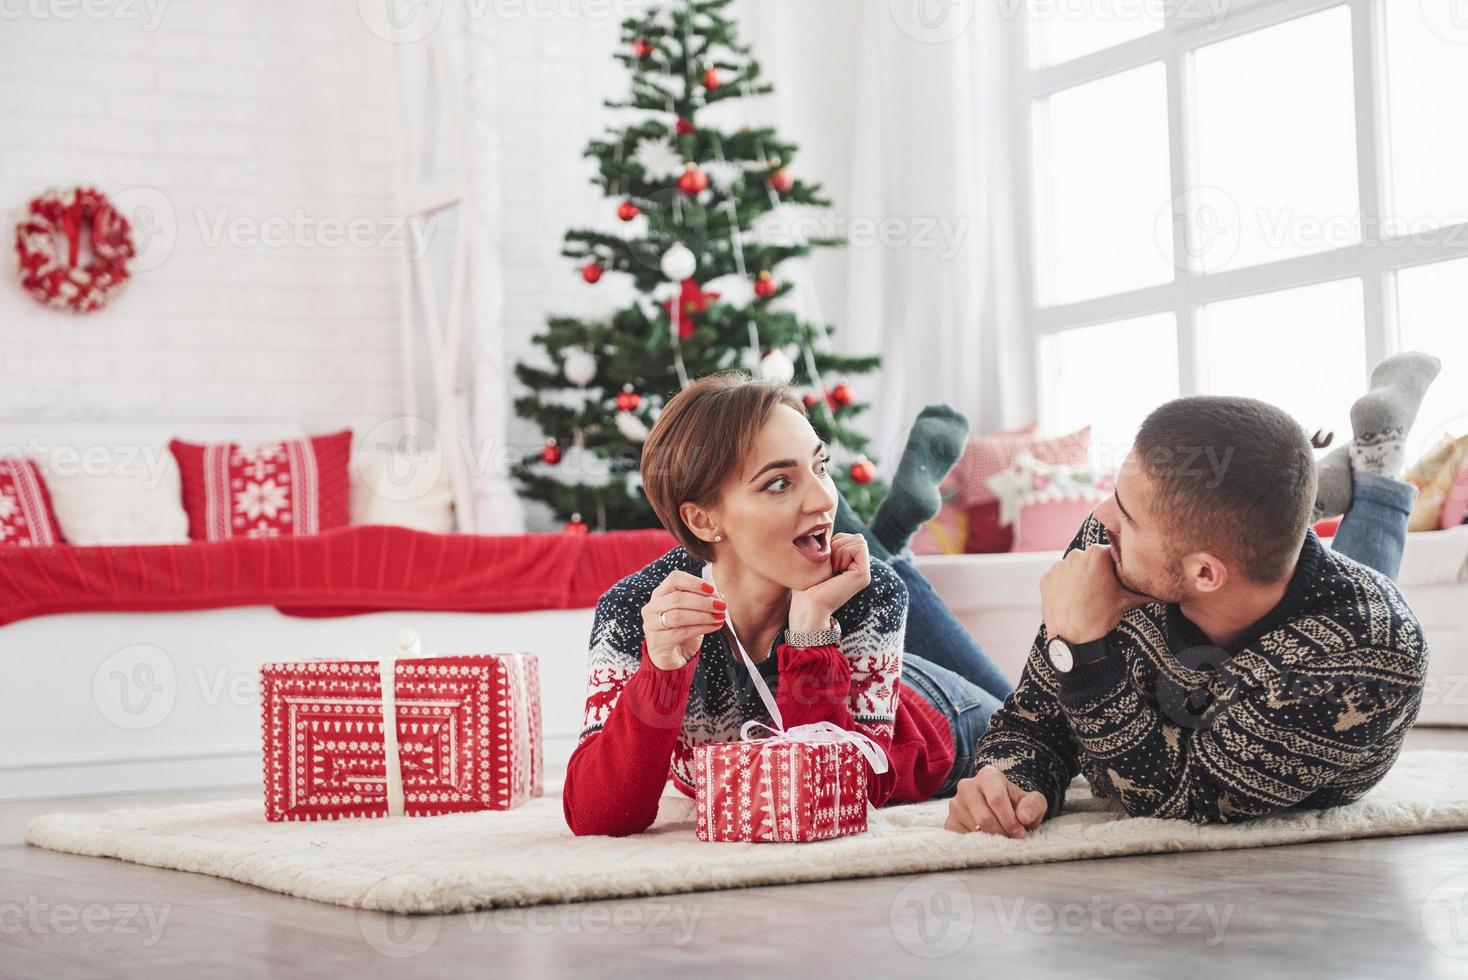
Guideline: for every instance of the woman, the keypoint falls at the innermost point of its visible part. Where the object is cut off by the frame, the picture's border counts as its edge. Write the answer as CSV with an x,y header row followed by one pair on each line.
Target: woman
x,y
734,470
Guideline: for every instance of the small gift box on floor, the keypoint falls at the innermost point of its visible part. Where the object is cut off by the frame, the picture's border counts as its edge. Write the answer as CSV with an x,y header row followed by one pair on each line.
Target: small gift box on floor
x,y
805,783
403,735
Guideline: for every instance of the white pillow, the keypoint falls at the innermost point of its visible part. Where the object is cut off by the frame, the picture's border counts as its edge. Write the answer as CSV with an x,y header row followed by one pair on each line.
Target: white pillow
x,y
104,495
403,489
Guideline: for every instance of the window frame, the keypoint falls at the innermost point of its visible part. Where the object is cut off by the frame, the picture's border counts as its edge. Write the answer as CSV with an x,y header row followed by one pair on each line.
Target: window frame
x,y
1374,260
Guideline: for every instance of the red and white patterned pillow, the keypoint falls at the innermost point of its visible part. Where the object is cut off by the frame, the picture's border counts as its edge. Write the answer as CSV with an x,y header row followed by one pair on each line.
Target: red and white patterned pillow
x,y
270,489
989,455
26,517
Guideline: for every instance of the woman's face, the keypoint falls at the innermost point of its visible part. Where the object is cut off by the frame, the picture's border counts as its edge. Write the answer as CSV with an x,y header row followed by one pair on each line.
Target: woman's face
x,y
775,512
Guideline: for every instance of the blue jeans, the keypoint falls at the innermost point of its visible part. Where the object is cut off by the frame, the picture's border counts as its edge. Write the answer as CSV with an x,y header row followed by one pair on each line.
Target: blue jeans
x,y
1374,530
943,663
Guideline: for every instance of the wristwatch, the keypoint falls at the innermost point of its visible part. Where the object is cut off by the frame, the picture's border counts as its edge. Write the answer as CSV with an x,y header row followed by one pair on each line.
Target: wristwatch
x,y
1065,657
815,638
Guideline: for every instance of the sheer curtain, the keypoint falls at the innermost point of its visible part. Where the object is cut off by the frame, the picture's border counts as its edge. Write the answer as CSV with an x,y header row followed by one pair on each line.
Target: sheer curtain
x,y
901,110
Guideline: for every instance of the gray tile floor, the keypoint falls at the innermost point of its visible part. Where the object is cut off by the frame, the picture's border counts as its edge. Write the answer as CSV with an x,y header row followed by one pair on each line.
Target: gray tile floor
x,y
1374,908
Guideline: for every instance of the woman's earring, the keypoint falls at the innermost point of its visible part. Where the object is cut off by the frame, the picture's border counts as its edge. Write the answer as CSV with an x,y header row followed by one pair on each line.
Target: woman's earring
x,y
718,537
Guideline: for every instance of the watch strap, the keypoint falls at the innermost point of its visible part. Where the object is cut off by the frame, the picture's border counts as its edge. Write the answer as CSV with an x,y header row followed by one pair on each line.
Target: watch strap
x,y
814,638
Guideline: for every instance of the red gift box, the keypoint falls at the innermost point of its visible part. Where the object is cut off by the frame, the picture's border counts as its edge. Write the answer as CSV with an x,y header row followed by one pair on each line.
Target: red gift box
x,y
467,735
779,790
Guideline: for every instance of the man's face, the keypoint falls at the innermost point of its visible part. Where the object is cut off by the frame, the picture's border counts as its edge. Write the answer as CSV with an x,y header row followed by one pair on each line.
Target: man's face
x,y
1148,557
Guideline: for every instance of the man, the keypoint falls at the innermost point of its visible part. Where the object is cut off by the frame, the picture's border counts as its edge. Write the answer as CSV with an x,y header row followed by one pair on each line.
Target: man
x,y
1203,656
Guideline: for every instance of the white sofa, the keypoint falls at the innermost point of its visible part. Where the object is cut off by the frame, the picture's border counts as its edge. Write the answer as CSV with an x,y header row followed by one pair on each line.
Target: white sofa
x,y
996,599
97,702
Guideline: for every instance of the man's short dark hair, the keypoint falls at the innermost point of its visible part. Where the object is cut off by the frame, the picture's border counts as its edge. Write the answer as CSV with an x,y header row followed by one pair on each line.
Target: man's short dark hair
x,y
1235,476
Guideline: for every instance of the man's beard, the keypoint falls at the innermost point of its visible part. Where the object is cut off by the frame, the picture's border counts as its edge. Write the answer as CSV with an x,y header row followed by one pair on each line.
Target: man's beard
x,y
1169,588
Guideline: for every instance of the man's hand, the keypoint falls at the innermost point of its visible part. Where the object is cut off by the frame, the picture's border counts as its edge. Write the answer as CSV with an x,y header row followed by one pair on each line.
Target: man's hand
x,y
990,803
1081,599
851,571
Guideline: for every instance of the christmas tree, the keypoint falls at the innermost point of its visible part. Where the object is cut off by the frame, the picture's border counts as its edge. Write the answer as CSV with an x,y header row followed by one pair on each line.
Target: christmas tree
x,y
705,230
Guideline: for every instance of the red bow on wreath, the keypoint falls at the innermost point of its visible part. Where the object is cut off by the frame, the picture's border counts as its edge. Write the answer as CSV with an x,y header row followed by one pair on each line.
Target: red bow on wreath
x,y
692,300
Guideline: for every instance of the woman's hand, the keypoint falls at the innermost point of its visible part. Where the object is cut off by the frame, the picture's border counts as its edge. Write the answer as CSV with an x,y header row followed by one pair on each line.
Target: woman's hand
x,y
851,571
677,615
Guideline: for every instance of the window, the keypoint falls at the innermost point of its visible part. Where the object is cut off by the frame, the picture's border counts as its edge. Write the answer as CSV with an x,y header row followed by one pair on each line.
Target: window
x,y
1260,198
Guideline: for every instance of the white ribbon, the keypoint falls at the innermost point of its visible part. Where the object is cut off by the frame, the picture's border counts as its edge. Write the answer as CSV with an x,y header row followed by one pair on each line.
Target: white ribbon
x,y
815,733
408,645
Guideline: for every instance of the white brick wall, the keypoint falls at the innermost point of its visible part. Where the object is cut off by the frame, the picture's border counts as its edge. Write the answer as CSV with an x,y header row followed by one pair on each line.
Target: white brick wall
x,y
245,110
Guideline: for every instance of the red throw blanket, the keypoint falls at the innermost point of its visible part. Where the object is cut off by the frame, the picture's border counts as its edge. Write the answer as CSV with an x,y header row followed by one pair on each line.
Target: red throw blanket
x,y
360,568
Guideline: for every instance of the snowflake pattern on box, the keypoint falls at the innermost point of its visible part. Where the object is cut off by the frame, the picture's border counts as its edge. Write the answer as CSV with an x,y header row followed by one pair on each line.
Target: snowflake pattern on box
x,y
25,517
778,791
469,735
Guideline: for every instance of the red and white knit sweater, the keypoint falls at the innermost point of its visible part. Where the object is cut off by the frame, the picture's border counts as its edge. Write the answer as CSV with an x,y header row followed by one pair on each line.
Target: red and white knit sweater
x,y
642,722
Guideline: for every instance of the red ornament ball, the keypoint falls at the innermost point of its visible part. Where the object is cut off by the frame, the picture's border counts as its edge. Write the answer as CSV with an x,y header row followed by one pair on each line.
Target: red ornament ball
x,y
711,78
693,180
575,525
627,399
592,271
641,48
840,395
684,127
627,211
862,471
781,181
765,286
811,399
551,454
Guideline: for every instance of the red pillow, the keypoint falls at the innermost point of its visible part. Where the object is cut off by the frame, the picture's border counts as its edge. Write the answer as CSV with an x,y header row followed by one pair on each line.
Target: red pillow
x,y
26,517
265,490
989,455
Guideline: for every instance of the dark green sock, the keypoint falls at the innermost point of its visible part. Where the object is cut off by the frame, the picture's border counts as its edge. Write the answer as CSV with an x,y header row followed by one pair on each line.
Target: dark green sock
x,y
937,441
847,522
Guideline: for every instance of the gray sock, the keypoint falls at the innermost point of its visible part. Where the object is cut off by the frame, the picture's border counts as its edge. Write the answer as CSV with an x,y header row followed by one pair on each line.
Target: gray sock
x,y
1382,417
934,446
1333,495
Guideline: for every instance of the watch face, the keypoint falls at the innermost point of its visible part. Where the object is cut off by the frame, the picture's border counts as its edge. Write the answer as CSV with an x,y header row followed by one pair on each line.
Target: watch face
x,y
1060,656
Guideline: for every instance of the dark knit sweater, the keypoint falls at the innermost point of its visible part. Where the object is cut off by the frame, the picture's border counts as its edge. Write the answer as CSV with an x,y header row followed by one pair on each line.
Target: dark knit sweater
x,y
642,723
1307,709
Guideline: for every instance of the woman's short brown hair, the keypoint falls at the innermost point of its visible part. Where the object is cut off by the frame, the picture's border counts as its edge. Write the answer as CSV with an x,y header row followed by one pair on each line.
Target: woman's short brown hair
x,y
702,436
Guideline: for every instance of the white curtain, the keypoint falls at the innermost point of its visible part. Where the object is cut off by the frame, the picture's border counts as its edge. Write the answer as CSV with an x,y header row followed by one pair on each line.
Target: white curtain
x,y
901,109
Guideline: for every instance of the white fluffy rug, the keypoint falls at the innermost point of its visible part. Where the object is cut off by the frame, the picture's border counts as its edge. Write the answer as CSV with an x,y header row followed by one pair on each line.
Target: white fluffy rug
x,y
527,856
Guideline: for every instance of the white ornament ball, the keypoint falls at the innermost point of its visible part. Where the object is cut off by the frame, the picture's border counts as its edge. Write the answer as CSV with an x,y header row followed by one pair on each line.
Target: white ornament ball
x,y
579,367
631,426
678,263
777,366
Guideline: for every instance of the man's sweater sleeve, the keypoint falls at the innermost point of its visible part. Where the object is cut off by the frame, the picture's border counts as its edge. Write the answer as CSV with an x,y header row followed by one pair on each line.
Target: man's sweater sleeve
x,y
634,710
1029,738
1274,741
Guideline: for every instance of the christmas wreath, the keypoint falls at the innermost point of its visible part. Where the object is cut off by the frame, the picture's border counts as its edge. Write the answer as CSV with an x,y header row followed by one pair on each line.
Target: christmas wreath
x,y
58,280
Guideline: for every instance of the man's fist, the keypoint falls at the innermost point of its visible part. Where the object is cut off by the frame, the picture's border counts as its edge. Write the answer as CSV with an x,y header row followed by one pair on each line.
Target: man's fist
x,y
990,803
1081,599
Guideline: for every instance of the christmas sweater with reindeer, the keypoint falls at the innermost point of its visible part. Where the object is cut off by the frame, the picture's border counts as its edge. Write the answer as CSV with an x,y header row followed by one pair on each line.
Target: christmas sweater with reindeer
x,y
642,723
1306,709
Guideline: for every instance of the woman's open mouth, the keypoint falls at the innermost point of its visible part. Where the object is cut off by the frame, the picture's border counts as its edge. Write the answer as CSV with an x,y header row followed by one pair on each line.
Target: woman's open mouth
x,y
817,545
